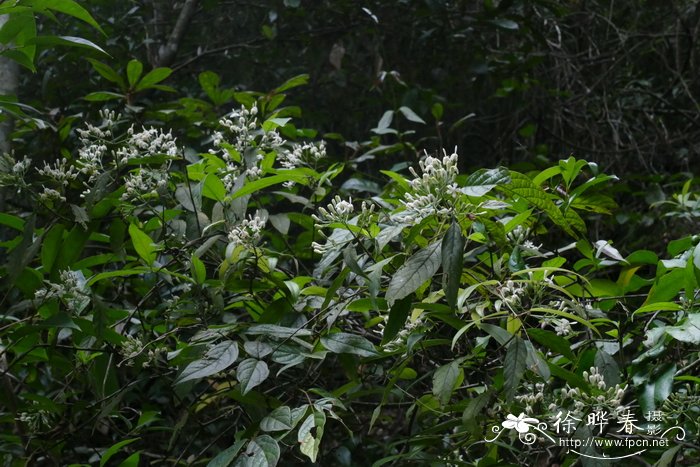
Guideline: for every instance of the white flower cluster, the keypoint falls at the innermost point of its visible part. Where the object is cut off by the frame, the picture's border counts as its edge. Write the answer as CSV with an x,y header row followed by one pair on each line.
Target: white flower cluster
x,y
72,290
434,192
400,339
144,182
35,420
131,348
607,398
338,210
247,233
532,398
93,148
60,172
520,236
562,326
512,295
302,155
243,125
147,142
12,172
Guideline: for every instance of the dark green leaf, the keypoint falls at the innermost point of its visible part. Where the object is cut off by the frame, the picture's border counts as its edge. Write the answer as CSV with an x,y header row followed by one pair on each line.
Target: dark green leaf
x,y
152,78
514,366
217,359
251,372
414,272
343,342
452,261
133,72
397,318
445,379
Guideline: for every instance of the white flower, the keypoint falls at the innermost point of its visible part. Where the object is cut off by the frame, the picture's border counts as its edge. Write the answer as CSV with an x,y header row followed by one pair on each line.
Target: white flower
x,y
247,232
144,182
562,326
302,155
521,423
433,192
338,210
60,172
72,290
147,142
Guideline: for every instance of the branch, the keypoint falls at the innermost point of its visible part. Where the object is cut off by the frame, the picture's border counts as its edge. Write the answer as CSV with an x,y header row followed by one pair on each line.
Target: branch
x,y
167,51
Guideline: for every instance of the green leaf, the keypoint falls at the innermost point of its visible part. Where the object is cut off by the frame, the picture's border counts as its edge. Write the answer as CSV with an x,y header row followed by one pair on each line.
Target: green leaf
x,y
133,71
553,342
279,419
411,115
198,270
108,73
51,246
397,318
68,7
687,331
506,24
120,273
11,221
251,372
522,187
310,444
213,188
153,77
343,342
298,80
101,96
107,455
414,272
658,306
295,175
484,180
452,261
142,244
217,358
607,366
70,41
385,121
225,457
663,382
131,461
514,366
263,451
445,379
278,331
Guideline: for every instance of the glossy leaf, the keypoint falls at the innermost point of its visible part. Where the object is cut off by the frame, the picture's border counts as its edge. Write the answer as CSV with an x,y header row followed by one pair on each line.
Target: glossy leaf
x,y
414,272
251,372
215,360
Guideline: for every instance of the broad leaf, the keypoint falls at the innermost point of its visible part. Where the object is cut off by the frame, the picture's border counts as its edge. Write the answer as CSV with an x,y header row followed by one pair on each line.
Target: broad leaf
x,y
218,358
152,78
484,180
133,71
414,272
142,244
263,451
445,379
514,366
452,262
251,372
278,420
343,342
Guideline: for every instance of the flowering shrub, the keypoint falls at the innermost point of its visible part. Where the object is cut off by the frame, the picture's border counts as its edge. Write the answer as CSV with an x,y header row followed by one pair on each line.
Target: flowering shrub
x,y
233,307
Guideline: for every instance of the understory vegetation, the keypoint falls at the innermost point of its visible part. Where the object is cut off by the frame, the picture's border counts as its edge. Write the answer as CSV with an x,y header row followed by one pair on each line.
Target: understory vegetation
x,y
203,280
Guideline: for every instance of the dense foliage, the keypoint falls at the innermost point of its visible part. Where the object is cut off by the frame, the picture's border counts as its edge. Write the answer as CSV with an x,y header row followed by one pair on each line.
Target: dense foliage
x,y
195,278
